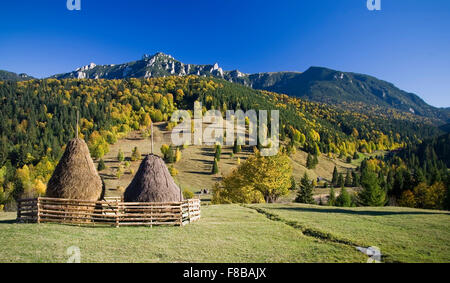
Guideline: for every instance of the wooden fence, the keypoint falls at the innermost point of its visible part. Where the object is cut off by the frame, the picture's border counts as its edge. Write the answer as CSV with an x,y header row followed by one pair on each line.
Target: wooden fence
x,y
112,211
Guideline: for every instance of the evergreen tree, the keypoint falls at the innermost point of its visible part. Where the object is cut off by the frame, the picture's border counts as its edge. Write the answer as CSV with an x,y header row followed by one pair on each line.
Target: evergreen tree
x,y
101,165
344,199
310,162
348,180
236,148
341,180
332,197
355,180
305,192
356,155
315,160
215,168
372,194
334,181
218,152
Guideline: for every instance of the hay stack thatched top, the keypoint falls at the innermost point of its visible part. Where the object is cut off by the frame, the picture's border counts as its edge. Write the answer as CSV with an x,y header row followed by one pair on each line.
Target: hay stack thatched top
x,y
153,183
75,176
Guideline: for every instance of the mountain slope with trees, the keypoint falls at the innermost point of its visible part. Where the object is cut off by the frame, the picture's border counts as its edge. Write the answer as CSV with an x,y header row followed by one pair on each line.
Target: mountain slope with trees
x,y
351,91
10,76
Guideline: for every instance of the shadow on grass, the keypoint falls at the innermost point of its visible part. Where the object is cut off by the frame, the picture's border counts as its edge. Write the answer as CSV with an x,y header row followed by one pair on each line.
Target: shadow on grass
x,y
360,212
8,221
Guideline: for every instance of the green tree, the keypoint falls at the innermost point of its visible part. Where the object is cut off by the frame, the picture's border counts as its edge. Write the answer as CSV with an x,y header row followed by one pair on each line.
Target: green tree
x,y
348,179
218,152
215,168
348,159
341,180
355,180
372,194
120,155
310,162
332,197
344,199
101,165
334,181
305,192
135,154
236,148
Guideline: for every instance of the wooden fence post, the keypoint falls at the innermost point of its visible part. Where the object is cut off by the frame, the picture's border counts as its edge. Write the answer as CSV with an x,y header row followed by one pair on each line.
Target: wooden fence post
x,y
38,210
117,214
19,208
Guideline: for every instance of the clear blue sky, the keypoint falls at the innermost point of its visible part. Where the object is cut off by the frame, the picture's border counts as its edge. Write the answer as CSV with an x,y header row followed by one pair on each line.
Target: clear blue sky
x,y
407,42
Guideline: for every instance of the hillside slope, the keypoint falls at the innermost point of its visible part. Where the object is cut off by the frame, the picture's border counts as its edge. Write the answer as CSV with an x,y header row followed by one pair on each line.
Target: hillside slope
x,y
349,90
10,76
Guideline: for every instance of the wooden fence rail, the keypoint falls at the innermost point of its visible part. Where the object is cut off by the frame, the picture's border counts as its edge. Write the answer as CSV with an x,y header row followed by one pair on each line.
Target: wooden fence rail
x,y
112,212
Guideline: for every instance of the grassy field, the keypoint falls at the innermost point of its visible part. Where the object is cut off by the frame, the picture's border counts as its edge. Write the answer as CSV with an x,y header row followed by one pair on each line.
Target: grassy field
x,y
402,234
234,233
226,233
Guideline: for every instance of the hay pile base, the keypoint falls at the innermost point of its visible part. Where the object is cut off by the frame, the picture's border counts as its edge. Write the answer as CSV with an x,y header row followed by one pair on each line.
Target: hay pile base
x,y
75,176
153,183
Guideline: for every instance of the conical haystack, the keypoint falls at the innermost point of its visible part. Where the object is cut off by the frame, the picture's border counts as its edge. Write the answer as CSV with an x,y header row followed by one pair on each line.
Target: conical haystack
x,y
153,183
75,176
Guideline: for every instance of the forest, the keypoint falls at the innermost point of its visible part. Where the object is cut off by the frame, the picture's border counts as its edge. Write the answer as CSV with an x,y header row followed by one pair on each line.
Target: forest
x,y
39,118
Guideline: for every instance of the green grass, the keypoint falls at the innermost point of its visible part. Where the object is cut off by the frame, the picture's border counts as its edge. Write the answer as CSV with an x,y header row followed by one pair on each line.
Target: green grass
x,y
402,234
252,233
225,233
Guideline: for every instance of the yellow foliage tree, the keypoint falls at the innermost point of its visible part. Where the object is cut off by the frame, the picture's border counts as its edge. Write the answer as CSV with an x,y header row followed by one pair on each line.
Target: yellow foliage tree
x,y
258,179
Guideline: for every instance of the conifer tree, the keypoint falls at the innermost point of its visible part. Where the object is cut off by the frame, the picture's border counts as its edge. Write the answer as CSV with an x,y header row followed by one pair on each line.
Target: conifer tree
x,y
101,165
341,180
344,199
348,179
355,180
372,194
215,168
334,181
332,197
305,192
218,152
310,162
236,148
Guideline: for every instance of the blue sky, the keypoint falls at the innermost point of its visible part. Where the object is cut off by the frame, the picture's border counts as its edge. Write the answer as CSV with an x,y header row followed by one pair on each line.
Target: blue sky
x,y
406,43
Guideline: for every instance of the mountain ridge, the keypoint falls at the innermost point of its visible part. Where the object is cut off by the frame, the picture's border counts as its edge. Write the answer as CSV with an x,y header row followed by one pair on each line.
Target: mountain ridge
x,y
347,90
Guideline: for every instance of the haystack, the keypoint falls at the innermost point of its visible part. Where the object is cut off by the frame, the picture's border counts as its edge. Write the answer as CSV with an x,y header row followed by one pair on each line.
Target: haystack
x,y
75,176
153,183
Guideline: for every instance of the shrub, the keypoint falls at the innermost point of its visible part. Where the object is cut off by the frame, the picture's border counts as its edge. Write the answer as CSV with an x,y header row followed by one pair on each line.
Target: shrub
x,y
135,155
188,194
120,155
173,172
177,155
